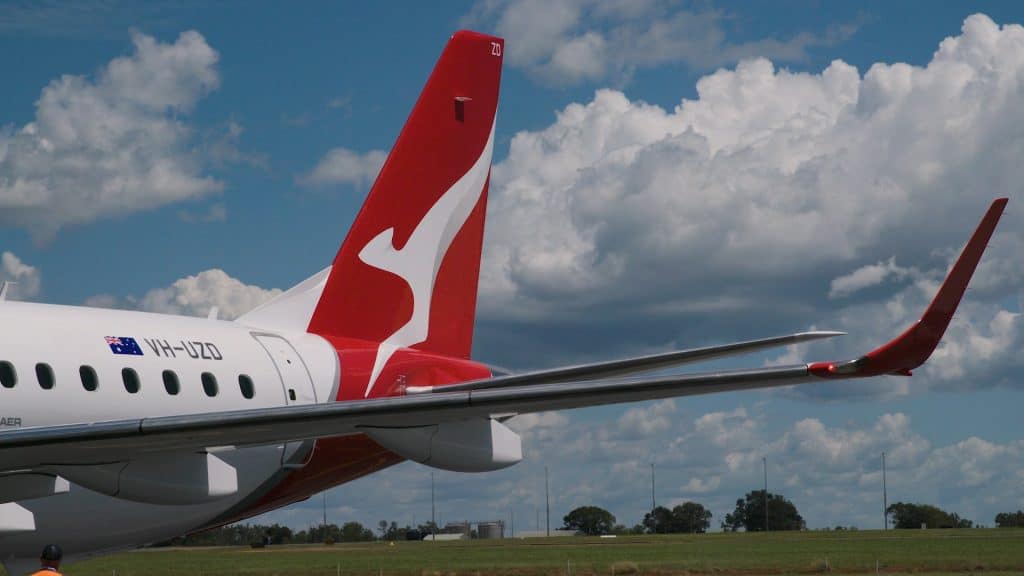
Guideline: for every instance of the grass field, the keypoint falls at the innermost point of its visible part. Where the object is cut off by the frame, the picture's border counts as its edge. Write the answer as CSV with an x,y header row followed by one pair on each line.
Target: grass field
x,y
992,551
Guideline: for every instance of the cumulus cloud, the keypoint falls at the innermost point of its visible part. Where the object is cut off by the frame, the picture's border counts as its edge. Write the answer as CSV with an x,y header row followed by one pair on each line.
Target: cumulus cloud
x,y
26,279
344,166
865,277
701,485
195,296
570,41
739,213
648,420
113,144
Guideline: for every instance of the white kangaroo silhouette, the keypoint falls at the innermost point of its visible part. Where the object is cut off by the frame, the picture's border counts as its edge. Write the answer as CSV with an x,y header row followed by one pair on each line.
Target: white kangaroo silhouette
x,y
419,260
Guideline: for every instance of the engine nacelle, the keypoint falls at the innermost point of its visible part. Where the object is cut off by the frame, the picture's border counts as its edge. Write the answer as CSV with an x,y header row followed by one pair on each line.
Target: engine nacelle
x,y
190,478
469,446
29,485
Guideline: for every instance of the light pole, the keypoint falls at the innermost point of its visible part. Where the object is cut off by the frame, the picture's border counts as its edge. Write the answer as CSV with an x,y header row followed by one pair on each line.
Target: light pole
x,y
764,461
547,501
885,498
654,514
652,487
433,520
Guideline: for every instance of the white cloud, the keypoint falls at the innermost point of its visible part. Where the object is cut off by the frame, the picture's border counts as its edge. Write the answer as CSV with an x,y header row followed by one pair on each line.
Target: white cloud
x,y
642,421
111,145
865,277
195,296
726,429
216,212
26,278
971,344
571,41
344,166
745,208
700,485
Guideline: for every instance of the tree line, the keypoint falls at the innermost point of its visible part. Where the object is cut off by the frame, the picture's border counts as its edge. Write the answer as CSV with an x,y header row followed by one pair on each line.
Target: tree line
x,y
692,517
924,515
688,517
276,534
1010,519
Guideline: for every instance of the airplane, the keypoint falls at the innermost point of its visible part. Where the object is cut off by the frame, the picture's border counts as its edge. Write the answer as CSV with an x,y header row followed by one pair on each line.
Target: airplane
x,y
120,428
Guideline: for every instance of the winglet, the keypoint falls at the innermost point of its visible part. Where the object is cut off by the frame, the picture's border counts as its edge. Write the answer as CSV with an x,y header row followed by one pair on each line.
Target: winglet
x,y
913,347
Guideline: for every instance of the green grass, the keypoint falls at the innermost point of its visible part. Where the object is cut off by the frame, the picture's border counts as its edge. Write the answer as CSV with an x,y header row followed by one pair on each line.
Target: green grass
x,y
930,552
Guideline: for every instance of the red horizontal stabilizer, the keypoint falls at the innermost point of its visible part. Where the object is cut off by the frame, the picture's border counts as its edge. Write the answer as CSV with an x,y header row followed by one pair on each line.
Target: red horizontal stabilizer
x,y
914,346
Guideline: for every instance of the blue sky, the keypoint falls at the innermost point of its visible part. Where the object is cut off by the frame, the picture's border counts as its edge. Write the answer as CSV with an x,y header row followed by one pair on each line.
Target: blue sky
x,y
711,171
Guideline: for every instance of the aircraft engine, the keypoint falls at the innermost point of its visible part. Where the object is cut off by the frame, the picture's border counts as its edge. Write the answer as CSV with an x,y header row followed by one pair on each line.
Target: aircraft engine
x,y
165,479
479,445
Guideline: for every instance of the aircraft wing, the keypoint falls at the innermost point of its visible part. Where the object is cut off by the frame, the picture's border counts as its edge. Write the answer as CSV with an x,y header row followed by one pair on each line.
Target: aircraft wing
x,y
114,441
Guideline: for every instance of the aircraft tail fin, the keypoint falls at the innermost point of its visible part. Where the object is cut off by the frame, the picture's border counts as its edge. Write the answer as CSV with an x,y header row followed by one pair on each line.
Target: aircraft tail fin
x,y
406,274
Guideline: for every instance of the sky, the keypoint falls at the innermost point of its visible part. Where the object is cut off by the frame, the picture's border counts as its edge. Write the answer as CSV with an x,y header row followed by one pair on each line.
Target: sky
x,y
667,175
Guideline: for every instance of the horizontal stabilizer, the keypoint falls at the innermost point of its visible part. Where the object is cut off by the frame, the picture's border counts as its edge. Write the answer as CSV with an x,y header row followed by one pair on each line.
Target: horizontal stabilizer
x,y
630,366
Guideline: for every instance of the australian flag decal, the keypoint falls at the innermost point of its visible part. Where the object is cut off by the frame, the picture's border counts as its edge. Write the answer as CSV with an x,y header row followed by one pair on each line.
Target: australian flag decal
x,y
124,345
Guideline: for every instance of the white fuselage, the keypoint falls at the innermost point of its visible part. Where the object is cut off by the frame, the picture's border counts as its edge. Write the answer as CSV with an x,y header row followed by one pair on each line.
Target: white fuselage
x,y
38,339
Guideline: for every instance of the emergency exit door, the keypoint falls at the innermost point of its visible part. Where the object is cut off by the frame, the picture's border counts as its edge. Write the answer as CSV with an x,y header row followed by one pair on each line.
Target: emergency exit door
x,y
295,379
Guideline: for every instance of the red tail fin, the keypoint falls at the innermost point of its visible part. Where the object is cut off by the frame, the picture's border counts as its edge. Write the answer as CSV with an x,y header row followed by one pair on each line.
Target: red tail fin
x,y
406,275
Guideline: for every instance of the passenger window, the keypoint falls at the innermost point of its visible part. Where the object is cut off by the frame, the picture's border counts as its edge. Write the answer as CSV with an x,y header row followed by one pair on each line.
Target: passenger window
x,y
209,384
131,380
44,374
8,377
89,380
171,383
245,385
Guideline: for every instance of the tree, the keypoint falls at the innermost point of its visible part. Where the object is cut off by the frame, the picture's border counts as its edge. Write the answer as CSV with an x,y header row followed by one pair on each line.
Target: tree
x,y
1010,519
428,528
687,517
589,520
658,521
690,517
355,532
749,513
915,515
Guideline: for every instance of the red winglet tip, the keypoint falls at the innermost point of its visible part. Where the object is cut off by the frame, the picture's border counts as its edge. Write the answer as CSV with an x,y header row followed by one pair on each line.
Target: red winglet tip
x,y
913,347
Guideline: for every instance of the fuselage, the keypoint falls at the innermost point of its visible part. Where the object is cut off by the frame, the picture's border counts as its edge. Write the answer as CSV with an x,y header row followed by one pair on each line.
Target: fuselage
x,y
63,365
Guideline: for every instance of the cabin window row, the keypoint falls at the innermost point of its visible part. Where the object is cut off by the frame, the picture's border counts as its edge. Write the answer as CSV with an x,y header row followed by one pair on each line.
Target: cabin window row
x,y
129,377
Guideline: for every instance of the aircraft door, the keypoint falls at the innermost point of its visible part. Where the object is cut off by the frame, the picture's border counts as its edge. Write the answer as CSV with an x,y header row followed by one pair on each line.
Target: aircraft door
x,y
298,389
295,378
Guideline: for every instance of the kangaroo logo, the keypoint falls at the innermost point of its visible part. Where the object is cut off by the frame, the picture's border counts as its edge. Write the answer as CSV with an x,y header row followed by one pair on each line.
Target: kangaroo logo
x,y
419,260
